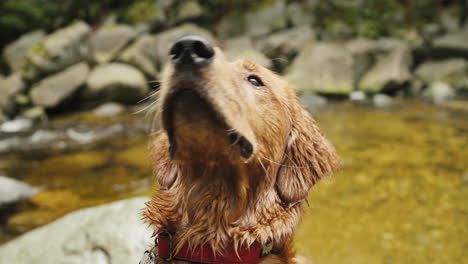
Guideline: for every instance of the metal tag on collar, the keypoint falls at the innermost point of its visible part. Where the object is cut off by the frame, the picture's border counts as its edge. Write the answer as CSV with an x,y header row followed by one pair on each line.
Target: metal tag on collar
x,y
266,249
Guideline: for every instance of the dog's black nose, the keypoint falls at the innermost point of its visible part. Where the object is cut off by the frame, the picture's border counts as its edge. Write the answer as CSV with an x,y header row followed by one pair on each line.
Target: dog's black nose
x,y
191,52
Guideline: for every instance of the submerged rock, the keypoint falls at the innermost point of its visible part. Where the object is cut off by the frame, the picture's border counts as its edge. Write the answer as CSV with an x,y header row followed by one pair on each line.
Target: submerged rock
x,y
15,53
115,82
109,40
324,68
111,233
53,91
313,101
13,191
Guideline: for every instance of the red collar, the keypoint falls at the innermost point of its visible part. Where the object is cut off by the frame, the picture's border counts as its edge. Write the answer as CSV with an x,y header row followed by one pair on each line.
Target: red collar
x,y
245,255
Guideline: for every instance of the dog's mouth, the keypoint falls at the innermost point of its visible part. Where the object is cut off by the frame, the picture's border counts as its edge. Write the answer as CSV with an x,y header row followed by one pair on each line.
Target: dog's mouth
x,y
190,118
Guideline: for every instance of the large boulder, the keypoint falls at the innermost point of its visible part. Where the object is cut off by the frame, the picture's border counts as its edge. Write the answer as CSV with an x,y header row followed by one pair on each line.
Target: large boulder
x,y
242,47
15,53
324,67
12,191
115,82
266,19
390,71
452,71
364,52
9,88
451,45
56,89
230,26
188,10
107,234
150,52
109,40
59,50
299,15
284,45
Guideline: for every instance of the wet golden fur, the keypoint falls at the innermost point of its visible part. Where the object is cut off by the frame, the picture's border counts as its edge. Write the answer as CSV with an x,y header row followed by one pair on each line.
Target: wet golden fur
x,y
208,193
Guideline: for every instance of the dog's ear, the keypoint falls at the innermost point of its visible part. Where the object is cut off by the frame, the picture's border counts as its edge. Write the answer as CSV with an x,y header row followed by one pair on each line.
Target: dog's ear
x,y
308,157
163,167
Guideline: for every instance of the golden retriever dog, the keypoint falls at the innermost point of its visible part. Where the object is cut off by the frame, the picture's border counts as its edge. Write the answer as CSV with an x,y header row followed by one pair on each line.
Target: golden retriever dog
x,y
236,156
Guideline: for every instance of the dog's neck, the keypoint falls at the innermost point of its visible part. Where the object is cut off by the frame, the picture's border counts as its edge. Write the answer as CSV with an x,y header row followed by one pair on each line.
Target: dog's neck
x,y
217,204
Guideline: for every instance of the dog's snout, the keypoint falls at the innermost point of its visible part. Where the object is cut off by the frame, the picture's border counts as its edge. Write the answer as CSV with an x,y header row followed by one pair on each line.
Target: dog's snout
x,y
191,52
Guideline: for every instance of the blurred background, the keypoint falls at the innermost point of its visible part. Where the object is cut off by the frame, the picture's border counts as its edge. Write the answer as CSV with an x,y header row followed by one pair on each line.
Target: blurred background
x,y
387,81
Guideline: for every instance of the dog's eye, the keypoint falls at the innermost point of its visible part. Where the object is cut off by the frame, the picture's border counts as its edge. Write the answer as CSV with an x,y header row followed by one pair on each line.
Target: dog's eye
x,y
254,80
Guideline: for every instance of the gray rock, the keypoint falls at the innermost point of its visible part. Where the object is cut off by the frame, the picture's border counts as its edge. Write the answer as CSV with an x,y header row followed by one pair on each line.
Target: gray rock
x,y
299,15
266,19
364,52
324,68
15,53
452,71
3,118
143,55
439,92
391,70
109,109
13,191
357,96
287,43
59,50
150,52
383,100
242,47
9,88
58,88
109,40
313,101
230,26
189,9
110,233
35,113
452,44
431,31
115,82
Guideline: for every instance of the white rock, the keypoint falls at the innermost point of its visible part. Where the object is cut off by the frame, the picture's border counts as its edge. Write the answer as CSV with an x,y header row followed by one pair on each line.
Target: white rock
x,y
109,109
110,233
357,96
439,92
383,100
12,191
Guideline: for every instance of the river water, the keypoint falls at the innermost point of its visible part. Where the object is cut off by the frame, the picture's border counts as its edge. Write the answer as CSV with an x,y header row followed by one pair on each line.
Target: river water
x,y
401,196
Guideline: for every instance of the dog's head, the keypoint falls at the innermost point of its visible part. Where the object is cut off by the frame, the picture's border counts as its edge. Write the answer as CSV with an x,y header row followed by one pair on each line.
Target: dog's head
x,y
240,113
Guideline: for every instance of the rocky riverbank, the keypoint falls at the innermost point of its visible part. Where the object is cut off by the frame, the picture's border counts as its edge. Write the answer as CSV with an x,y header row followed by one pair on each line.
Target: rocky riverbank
x,y
80,66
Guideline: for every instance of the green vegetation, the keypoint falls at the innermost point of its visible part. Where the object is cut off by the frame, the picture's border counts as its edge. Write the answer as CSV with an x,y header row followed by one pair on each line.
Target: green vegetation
x,y
368,18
